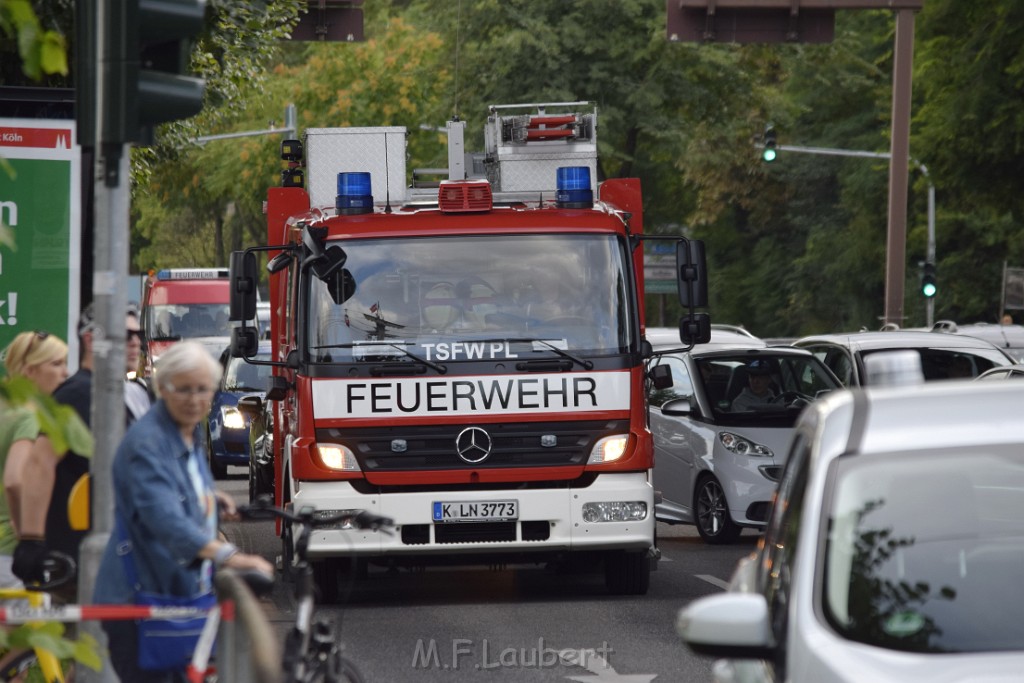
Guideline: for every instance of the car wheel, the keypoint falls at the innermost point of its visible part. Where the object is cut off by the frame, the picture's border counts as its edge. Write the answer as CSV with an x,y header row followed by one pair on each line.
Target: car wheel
x,y
627,573
253,489
325,574
714,524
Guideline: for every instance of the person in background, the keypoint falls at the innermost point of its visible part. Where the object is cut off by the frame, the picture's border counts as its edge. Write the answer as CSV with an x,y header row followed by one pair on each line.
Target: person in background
x,y
42,358
45,516
759,386
165,504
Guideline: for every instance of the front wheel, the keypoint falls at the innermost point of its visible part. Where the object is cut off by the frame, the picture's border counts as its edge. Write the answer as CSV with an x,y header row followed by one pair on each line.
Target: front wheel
x,y
342,670
627,573
714,524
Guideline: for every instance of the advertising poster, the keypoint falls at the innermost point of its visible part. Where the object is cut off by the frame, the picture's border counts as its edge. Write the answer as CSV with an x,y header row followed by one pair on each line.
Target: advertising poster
x,y
40,229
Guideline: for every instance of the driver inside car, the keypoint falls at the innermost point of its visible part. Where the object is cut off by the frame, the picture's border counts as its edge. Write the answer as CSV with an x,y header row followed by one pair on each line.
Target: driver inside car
x,y
759,386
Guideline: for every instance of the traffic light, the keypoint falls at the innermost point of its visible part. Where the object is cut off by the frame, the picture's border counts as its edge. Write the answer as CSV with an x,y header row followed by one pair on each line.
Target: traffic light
x,y
928,286
769,152
145,60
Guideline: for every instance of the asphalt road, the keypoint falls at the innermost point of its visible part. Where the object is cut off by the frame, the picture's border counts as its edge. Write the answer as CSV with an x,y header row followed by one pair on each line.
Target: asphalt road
x,y
513,623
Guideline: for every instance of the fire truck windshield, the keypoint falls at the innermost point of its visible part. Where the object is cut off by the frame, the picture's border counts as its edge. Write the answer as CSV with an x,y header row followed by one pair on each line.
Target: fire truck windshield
x,y
478,297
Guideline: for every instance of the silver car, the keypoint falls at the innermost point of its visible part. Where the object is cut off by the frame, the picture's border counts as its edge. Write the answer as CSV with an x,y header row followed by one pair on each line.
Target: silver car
x,y
895,548
943,356
717,455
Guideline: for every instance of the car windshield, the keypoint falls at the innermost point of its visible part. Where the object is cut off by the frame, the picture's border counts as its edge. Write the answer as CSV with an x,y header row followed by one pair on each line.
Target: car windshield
x,y
925,552
475,298
742,388
187,321
243,376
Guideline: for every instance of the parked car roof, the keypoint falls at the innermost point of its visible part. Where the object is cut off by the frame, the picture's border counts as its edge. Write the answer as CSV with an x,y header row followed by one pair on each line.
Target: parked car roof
x,y
940,354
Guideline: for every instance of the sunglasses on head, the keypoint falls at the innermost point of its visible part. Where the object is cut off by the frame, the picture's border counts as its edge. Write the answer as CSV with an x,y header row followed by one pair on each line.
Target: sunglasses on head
x,y
38,335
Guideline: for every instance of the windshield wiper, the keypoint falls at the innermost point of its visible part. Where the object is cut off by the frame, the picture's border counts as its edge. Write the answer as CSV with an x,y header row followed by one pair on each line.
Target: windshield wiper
x,y
587,364
166,337
440,369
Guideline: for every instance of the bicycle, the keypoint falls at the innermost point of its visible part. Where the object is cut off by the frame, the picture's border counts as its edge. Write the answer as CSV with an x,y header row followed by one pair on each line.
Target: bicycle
x,y
59,569
311,650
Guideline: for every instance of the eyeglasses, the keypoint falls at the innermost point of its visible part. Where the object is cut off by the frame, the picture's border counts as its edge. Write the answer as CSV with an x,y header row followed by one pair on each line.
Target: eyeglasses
x,y
188,392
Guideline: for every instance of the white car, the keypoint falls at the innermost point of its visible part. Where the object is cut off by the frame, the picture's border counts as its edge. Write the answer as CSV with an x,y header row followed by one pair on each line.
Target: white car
x,y
895,548
717,458
943,356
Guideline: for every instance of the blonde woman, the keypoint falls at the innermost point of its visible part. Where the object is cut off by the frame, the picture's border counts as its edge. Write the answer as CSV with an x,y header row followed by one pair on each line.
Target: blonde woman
x,y
43,359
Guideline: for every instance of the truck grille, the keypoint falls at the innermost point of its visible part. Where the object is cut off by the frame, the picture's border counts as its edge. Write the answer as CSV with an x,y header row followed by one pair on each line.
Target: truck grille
x,y
433,447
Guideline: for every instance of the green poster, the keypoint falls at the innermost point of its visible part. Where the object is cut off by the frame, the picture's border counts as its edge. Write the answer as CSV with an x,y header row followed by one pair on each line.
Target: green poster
x,y
40,220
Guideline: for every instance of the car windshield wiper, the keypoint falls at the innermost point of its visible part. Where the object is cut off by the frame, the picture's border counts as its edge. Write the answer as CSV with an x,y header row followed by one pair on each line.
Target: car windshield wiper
x,y
166,337
587,364
440,369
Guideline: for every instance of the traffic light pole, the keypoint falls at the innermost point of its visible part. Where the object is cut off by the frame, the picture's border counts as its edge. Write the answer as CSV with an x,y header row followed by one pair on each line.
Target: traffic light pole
x,y
930,251
111,194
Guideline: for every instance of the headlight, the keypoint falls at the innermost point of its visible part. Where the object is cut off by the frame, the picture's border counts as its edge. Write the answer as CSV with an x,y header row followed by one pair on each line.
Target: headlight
x,y
232,418
337,457
741,446
608,449
615,511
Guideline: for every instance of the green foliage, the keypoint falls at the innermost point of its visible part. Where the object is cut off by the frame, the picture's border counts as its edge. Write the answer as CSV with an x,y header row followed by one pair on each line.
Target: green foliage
x,y
794,247
59,422
42,51
49,636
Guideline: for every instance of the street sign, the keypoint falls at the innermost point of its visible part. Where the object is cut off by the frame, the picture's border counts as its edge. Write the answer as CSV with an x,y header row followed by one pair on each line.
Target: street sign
x,y
40,212
660,273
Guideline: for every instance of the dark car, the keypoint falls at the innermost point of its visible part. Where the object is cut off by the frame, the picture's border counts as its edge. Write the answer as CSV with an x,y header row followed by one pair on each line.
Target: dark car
x,y
260,411
228,427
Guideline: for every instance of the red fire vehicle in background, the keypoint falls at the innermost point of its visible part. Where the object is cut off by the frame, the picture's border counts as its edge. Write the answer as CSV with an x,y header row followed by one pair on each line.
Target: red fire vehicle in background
x,y
185,303
467,359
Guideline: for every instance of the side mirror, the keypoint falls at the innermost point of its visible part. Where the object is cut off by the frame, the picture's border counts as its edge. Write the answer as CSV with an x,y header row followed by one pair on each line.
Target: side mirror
x,y
244,342
251,406
333,259
661,376
341,286
692,267
243,286
278,388
695,329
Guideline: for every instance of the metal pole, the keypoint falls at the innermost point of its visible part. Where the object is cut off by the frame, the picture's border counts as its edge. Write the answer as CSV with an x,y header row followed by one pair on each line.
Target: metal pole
x,y
289,129
110,303
896,250
930,311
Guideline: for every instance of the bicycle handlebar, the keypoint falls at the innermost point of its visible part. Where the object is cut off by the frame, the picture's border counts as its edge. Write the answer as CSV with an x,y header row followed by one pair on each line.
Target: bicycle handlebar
x,y
311,518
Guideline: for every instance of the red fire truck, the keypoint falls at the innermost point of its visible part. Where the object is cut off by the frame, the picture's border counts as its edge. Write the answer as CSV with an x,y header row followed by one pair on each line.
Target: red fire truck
x,y
467,358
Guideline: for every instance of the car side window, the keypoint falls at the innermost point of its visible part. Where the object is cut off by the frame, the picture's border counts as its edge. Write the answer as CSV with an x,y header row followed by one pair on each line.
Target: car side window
x,y
780,544
682,386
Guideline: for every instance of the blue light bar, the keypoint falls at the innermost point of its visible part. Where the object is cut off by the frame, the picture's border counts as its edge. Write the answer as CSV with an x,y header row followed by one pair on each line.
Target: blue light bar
x,y
354,194
573,188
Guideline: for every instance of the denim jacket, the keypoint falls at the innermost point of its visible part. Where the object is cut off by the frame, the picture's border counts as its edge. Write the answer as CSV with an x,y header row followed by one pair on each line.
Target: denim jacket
x,y
156,505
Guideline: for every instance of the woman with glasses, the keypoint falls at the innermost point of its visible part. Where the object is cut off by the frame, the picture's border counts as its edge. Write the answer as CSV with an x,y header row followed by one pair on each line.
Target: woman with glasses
x,y
42,358
166,506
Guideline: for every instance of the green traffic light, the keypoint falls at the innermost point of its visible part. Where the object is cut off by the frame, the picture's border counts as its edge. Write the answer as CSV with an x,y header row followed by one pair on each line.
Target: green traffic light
x,y
769,154
928,289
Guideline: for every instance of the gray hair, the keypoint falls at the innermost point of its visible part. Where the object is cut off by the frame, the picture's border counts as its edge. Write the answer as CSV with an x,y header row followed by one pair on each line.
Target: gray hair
x,y
185,356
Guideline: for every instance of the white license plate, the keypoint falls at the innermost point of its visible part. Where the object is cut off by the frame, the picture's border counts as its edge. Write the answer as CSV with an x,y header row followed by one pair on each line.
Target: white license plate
x,y
476,511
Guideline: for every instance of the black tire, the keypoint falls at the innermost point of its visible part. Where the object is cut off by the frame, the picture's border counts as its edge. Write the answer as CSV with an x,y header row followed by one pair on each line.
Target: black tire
x,y
19,665
252,482
287,551
627,573
217,470
325,575
343,670
714,524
